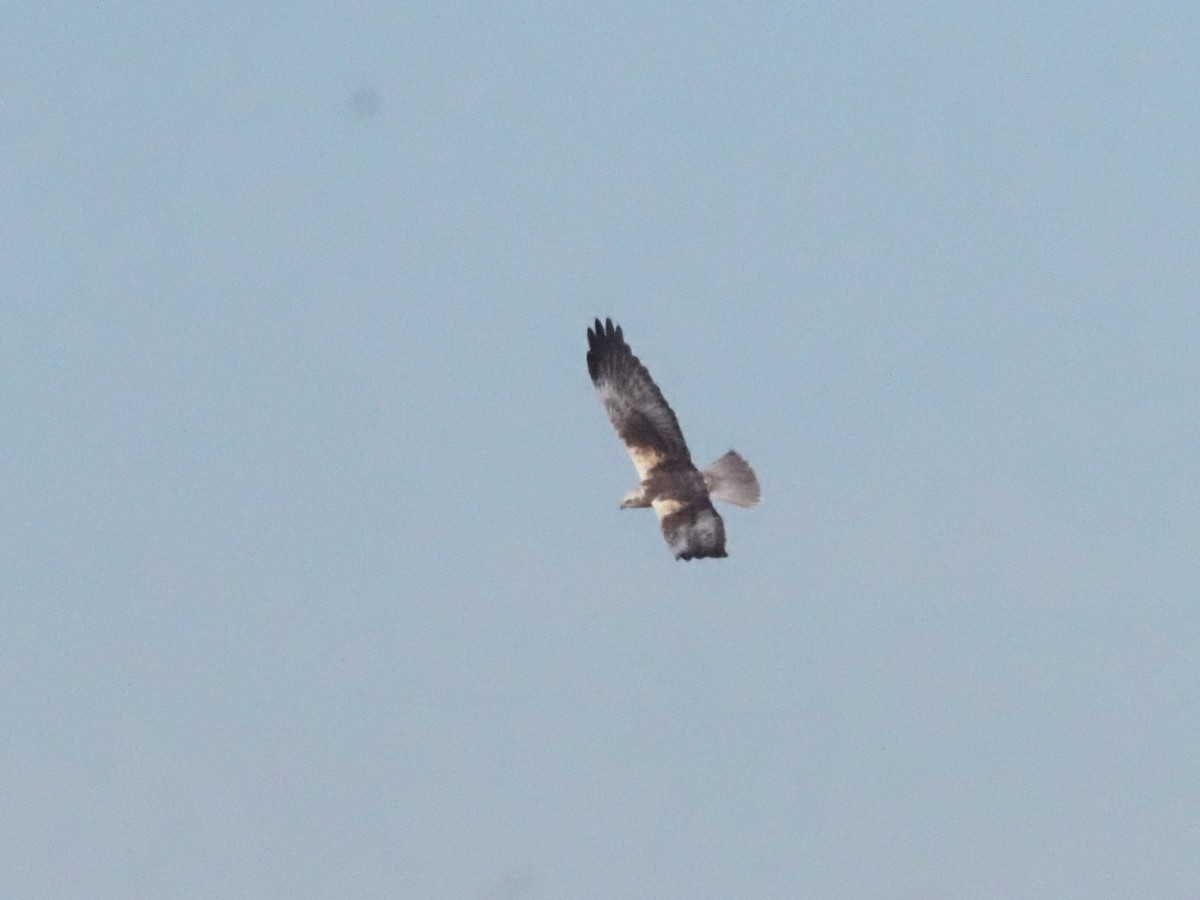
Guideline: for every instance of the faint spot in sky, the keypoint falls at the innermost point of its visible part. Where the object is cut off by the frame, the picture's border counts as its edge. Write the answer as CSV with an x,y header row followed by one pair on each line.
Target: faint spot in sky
x,y
511,885
363,102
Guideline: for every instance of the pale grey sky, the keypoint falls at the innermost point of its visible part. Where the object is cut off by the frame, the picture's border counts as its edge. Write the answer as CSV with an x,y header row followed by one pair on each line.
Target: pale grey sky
x,y
313,577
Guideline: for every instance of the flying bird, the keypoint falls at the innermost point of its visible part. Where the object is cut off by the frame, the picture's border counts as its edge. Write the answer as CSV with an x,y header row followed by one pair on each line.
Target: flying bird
x,y
670,484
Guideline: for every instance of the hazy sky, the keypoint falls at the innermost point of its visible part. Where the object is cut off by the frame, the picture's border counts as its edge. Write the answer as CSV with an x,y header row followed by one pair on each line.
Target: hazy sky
x,y
314,579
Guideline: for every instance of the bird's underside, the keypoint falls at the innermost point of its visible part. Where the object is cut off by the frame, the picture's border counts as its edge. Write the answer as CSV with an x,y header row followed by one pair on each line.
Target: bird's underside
x,y
678,492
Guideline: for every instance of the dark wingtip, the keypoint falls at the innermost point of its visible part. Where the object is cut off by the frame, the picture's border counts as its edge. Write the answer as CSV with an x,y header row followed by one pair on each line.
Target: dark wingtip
x,y
703,554
595,335
603,337
605,329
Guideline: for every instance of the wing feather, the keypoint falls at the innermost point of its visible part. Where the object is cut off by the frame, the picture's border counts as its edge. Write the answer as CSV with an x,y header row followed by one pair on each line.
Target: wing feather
x,y
641,415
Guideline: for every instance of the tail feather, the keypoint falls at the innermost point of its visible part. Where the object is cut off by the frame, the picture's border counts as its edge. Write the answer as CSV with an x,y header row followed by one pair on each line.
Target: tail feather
x,y
731,479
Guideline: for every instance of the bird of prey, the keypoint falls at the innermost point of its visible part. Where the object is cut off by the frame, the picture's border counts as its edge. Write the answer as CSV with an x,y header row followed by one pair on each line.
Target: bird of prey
x,y
677,491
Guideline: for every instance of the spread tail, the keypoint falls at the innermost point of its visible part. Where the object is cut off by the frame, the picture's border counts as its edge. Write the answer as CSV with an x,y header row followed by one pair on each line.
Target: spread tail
x,y
731,479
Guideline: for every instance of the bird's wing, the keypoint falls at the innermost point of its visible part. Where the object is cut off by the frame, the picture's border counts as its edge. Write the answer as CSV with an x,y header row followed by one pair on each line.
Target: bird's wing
x,y
693,528
637,408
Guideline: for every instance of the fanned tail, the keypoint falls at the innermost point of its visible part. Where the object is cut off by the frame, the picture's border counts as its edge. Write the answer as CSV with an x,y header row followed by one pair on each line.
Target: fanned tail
x,y
731,479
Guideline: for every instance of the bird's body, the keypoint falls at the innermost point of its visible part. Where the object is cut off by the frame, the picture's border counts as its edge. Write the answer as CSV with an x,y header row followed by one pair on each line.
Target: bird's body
x,y
671,485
